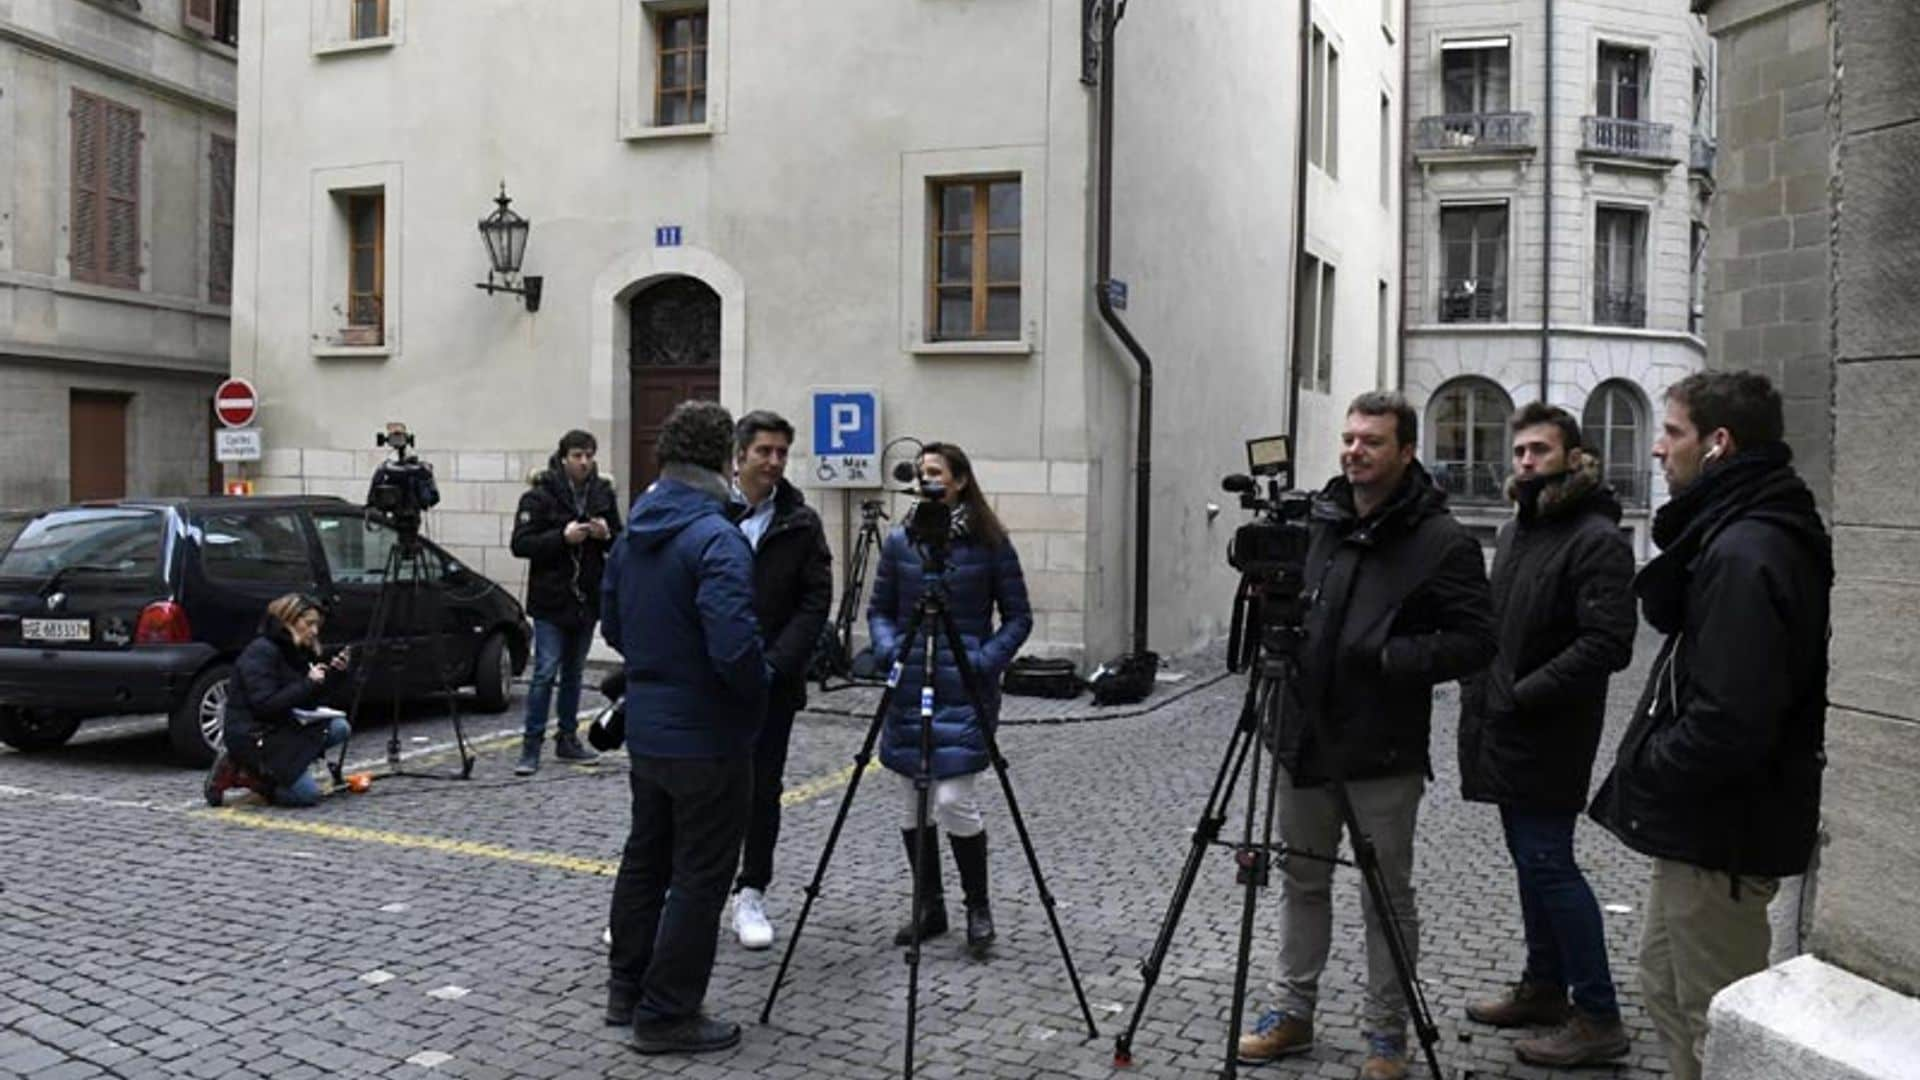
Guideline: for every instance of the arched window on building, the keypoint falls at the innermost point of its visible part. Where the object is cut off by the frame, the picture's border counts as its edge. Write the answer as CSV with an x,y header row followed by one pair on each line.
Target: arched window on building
x,y
1615,430
1468,419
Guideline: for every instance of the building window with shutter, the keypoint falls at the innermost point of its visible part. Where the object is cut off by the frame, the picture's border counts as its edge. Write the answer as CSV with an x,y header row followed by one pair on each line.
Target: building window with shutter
x,y
220,223
105,219
974,294
366,268
1313,313
680,83
216,19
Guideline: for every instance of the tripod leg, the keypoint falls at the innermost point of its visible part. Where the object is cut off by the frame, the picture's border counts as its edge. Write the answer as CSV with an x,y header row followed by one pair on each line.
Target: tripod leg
x,y
1367,858
371,654
931,616
1013,810
1205,834
1256,864
812,891
437,656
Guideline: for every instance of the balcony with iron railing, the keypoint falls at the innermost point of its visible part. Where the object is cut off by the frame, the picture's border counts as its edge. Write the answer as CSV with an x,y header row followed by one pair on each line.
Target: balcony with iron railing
x,y
1615,305
1473,300
1631,484
1634,141
1473,134
1472,481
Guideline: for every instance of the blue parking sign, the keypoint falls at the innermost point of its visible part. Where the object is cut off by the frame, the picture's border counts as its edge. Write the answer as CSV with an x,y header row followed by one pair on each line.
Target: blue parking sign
x,y
846,437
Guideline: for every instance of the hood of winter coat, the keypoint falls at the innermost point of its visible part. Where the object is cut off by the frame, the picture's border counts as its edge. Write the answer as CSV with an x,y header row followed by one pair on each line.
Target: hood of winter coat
x,y
1564,494
682,495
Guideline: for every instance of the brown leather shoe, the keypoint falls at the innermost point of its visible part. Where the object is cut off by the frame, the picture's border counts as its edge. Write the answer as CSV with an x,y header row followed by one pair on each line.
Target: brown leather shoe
x,y
1582,1040
1275,1035
1525,1004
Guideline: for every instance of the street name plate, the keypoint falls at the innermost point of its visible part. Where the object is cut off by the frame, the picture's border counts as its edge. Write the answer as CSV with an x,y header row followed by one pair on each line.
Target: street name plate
x,y
237,444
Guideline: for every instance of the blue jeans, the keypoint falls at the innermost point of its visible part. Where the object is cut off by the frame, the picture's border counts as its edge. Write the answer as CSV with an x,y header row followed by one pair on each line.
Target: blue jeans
x,y
306,790
558,654
1565,944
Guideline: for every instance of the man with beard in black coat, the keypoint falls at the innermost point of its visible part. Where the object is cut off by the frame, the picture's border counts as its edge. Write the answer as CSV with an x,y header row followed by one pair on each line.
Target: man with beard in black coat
x,y
1718,775
565,525
1398,593
1530,727
792,591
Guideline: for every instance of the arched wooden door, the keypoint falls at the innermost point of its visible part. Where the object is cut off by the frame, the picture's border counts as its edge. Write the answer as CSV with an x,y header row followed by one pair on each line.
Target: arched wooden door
x,y
673,356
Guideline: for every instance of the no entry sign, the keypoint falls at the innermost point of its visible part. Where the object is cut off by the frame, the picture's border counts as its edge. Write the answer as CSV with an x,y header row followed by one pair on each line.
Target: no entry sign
x,y
235,403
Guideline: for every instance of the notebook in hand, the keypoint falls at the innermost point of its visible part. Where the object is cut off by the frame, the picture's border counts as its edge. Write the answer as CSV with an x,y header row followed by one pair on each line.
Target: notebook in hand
x,y
320,715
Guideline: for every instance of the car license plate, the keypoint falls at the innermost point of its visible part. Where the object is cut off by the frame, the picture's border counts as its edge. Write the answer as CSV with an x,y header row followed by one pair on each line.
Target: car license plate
x,y
56,629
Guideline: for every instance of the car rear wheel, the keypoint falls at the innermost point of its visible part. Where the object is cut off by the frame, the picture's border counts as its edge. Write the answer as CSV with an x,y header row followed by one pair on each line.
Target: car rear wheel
x,y
199,723
30,730
493,675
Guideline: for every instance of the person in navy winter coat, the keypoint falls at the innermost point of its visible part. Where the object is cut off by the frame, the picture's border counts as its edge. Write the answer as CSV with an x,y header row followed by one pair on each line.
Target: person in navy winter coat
x,y
983,573
677,603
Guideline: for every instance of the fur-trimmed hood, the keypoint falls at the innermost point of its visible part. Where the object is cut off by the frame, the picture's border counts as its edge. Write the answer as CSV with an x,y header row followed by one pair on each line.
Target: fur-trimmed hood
x,y
1559,495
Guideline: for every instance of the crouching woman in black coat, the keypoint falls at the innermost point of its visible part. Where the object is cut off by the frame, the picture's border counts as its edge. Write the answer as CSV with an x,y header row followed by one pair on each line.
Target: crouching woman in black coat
x,y
267,748
982,574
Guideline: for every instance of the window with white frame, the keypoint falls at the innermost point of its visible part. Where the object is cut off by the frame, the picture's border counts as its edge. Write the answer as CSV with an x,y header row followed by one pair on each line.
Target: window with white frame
x,y
1473,256
1614,430
1620,89
1475,76
1620,266
1468,419
673,56
680,71
1323,105
355,258
1314,316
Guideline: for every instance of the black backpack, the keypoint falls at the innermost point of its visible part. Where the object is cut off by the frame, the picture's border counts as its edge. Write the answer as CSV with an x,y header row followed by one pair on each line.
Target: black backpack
x,y
1126,679
1031,676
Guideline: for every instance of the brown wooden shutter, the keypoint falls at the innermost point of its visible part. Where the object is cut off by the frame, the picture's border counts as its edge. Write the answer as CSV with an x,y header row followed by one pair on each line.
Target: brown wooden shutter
x,y
121,250
198,16
84,225
220,227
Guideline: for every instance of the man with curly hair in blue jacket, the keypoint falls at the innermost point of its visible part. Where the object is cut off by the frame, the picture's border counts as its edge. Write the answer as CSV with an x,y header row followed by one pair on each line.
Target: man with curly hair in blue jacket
x,y
677,604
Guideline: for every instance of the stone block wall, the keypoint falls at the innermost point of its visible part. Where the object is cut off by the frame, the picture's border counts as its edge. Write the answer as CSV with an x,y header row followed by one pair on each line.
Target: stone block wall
x,y
1768,286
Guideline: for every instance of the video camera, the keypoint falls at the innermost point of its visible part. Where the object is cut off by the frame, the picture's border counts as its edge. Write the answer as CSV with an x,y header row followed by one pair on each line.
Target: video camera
x,y
1270,552
403,488
929,522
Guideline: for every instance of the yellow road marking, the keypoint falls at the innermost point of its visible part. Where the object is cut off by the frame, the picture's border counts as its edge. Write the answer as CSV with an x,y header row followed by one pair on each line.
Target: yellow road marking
x,y
573,864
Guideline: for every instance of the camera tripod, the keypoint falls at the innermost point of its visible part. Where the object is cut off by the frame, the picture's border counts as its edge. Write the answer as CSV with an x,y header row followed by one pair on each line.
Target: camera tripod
x,y
1269,662
404,580
932,619
836,654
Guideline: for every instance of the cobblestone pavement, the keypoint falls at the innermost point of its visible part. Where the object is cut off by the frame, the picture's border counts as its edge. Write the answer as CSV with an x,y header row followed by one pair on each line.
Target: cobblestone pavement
x,y
446,929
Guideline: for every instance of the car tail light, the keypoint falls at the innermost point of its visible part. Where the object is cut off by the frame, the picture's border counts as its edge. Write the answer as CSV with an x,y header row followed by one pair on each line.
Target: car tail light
x,y
163,623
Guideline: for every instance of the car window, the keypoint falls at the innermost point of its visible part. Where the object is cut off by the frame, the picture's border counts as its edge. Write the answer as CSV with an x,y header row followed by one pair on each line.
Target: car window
x,y
255,548
110,542
356,548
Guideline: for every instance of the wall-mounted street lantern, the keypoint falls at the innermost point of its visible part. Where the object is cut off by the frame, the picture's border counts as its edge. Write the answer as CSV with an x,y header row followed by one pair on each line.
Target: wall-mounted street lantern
x,y
505,234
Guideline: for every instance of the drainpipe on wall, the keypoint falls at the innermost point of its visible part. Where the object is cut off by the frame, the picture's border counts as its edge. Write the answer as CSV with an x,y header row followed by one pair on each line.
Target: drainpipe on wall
x,y
1546,225
1299,228
1103,272
1400,177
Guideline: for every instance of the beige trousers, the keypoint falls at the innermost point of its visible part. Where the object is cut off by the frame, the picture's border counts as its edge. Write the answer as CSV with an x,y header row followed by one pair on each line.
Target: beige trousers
x,y
1698,939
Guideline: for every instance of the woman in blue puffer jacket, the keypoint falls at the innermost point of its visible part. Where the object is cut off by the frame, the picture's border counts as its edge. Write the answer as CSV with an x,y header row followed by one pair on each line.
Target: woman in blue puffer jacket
x,y
983,573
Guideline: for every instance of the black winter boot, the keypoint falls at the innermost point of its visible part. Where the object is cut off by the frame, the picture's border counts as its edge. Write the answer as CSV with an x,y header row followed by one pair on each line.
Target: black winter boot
x,y
970,855
931,920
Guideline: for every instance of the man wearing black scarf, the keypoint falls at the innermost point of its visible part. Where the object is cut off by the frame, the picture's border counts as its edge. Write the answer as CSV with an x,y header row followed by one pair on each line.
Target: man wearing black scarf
x,y
1718,776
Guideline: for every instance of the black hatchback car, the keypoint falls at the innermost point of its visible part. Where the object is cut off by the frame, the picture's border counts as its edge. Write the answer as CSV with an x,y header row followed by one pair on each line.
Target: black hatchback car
x,y
141,606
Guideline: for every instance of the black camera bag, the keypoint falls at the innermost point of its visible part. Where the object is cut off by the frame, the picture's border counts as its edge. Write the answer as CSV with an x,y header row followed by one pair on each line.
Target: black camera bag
x,y
1126,679
1032,676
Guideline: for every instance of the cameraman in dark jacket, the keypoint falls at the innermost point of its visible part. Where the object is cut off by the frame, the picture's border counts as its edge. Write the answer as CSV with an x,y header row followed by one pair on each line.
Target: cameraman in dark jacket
x,y
1530,726
1718,776
567,520
792,591
1398,603
264,746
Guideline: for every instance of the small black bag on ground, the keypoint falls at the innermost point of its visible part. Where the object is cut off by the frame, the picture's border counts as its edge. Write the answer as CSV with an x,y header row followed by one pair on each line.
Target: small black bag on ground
x,y
1125,679
1033,676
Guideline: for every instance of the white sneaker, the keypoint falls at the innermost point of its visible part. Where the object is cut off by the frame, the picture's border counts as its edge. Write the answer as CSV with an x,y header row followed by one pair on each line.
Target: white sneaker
x,y
750,919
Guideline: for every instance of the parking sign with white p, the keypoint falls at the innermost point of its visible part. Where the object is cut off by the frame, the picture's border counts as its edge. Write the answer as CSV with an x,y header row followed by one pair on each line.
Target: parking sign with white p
x,y
846,437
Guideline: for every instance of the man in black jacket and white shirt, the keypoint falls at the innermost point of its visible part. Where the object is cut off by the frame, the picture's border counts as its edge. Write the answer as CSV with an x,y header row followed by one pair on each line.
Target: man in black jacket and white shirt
x,y
1398,593
1530,727
564,526
1718,775
792,592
